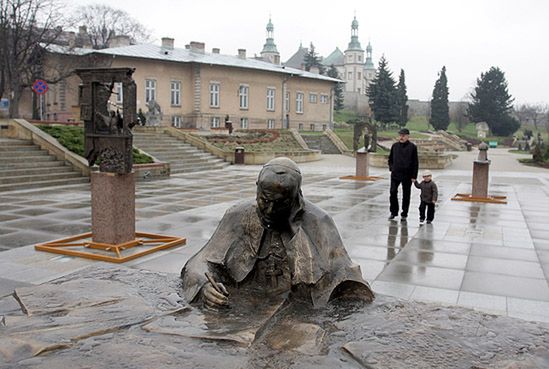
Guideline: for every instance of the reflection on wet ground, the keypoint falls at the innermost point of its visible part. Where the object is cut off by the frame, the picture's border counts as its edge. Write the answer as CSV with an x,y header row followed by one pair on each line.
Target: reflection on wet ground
x,y
488,256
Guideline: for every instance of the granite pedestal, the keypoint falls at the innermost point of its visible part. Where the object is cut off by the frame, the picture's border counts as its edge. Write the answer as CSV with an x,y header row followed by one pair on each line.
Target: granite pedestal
x,y
362,169
480,178
113,207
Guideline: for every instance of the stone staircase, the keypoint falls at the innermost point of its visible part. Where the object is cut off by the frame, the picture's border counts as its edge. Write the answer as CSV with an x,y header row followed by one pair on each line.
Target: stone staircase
x,y
320,142
24,165
183,157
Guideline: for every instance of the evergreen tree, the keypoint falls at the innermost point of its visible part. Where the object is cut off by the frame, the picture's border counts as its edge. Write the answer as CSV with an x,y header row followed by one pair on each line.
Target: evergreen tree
x,y
311,59
440,115
402,99
338,90
382,95
492,103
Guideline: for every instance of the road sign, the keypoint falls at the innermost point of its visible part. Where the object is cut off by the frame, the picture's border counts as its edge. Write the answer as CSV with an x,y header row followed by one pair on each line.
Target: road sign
x,y
40,86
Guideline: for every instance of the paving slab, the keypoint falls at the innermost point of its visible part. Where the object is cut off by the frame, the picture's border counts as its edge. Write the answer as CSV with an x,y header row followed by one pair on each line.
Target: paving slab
x,y
498,251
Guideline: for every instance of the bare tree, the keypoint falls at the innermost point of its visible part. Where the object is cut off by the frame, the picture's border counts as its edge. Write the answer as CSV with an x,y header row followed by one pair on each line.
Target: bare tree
x,y
27,27
531,113
103,23
458,114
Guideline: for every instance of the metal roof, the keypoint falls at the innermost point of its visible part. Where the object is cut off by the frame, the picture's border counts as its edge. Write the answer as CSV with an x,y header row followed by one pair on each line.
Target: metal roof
x,y
154,52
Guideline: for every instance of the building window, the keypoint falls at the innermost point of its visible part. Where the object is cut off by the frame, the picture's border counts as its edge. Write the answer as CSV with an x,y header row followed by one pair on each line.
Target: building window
x,y
300,126
299,102
359,75
358,90
324,99
313,98
270,99
244,123
359,58
287,102
324,127
270,123
176,121
214,94
150,90
243,96
118,92
175,93
312,126
350,75
350,58
215,122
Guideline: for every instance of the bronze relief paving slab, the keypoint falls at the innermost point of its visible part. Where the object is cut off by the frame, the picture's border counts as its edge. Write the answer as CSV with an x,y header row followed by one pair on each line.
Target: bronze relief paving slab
x,y
112,316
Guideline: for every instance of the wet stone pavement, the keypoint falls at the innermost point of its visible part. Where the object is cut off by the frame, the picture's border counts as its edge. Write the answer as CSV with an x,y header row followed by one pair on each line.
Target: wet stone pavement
x,y
490,257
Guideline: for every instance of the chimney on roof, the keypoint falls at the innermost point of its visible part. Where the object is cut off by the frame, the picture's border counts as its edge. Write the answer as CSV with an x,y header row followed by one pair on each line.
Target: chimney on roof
x,y
187,47
215,50
314,69
242,53
197,47
167,43
119,41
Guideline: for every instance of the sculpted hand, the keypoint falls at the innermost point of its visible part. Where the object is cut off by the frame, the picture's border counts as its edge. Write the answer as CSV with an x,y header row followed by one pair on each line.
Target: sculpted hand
x,y
213,297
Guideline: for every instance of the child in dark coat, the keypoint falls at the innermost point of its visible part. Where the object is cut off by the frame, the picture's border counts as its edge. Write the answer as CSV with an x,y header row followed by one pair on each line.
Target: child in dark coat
x,y
429,194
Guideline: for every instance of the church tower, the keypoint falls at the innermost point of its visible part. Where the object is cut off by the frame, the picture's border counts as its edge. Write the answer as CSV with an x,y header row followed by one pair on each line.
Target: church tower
x,y
369,68
354,62
270,53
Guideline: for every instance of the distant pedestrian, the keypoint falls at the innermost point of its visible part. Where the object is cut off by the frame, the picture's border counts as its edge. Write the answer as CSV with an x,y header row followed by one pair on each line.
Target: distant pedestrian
x,y
428,197
403,164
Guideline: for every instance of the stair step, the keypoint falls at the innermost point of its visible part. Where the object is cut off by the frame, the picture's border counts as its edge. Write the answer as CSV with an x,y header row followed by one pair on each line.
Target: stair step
x,y
18,148
38,177
31,164
33,171
57,182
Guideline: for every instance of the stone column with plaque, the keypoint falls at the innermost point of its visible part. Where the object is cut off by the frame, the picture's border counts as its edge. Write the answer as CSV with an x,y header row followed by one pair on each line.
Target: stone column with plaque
x,y
108,109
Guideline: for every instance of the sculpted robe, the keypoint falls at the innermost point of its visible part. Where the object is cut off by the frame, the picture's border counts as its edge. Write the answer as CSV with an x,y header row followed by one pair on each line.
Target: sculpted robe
x,y
319,266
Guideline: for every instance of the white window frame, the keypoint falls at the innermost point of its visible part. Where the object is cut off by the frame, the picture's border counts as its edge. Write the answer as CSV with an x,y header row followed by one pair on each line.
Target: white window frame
x,y
175,93
176,121
150,90
287,102
244,123
313,98
299,96
349,75
270,124
215,122
215,94
323,99
271,96
243,96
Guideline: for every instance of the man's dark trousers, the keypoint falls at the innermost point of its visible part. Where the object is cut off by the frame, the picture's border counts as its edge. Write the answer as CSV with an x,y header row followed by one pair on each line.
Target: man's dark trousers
x,y
430,211
393,198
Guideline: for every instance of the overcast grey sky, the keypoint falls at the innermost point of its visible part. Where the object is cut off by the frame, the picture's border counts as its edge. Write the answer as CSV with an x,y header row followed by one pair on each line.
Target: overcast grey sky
x,y
419,36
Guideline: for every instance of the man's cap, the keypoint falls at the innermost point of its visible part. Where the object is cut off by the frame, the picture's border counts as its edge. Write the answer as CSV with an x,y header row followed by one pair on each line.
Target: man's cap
x,y
426,173
404,131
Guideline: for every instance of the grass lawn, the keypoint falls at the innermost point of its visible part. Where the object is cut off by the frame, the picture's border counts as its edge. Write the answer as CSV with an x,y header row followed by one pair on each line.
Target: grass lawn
x,y
72,138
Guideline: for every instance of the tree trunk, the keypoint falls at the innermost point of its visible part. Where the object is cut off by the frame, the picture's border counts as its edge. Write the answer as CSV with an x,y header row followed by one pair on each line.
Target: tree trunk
x,y
14,102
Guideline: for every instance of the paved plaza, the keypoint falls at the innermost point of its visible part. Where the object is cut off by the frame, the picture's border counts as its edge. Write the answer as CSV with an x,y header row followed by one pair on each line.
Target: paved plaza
x,y
490,257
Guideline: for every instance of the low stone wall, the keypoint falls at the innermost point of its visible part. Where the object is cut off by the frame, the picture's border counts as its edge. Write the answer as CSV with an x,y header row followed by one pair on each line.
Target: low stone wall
x,y
23,130
426,161
250,158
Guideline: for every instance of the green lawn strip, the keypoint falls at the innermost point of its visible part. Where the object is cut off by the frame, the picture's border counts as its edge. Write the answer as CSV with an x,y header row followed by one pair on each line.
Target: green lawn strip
x,y
72,138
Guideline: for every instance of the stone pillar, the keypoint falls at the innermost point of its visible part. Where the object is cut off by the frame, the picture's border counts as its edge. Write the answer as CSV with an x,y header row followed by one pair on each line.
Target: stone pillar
x,y
113,207
480,178
362,169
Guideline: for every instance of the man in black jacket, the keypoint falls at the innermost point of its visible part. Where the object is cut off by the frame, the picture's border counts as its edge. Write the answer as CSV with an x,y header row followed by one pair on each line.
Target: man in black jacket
x,y
403,164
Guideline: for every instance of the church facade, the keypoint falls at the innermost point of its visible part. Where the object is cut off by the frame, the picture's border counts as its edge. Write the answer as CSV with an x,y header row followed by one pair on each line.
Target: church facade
x,y
355,67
